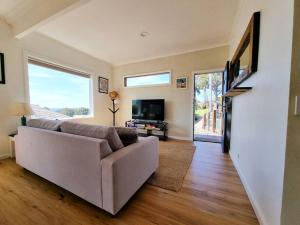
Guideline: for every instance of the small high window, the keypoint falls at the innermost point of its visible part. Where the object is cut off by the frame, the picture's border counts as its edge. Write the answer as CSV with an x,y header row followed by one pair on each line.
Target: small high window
x,y
151,79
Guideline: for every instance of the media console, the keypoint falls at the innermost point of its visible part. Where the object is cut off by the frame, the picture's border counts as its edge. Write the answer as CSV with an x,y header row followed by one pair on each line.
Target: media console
x,y
149,128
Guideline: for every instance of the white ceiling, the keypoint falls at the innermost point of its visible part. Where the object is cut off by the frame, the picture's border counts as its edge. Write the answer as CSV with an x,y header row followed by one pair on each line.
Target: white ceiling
x,y
24,16
110,29
8,6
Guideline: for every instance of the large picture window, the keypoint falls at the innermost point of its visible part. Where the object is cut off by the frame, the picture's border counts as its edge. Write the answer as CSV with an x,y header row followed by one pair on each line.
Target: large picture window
x,y
152,79
56,92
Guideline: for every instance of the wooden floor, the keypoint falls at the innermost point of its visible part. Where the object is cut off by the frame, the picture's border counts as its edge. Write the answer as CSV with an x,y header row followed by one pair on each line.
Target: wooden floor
x,y
212,194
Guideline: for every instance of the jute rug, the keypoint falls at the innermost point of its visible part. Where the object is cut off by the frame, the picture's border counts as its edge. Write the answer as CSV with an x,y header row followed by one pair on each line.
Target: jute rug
x,y
174,162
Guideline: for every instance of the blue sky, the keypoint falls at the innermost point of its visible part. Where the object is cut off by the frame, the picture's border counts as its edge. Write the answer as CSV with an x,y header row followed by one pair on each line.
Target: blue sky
x,y
55,89
148,80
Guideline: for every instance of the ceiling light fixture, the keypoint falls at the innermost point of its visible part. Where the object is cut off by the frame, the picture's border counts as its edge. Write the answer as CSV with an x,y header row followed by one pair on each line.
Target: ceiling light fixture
x,y
144,34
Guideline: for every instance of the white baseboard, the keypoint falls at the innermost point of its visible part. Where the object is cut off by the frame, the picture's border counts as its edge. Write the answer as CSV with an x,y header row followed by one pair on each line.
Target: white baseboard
x,y
180,138
256,208
5,156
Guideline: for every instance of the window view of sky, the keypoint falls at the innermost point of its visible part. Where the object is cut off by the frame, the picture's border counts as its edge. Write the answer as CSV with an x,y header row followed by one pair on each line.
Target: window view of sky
x,y
163,78
55,90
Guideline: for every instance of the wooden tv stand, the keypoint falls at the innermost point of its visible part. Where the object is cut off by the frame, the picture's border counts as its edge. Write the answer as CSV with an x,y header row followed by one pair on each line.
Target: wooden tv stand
x,y
149,128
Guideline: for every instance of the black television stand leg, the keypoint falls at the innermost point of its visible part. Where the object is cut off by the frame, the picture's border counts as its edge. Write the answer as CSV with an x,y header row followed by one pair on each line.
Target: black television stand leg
x,y
149,132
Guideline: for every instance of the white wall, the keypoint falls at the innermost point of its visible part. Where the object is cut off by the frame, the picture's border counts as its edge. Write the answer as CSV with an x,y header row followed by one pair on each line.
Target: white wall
x,y
259,123
179,108
48,49
13,91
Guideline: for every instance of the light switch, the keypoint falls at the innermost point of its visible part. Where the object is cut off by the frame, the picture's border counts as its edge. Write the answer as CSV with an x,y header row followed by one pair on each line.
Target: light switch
x,y
297,106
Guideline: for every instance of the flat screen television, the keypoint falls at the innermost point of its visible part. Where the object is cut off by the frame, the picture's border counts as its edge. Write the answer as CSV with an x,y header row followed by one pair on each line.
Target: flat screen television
x,y
148,109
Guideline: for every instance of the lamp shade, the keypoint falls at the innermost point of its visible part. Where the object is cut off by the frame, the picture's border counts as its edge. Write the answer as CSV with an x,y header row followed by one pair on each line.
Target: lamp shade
x,y
20,109
113,95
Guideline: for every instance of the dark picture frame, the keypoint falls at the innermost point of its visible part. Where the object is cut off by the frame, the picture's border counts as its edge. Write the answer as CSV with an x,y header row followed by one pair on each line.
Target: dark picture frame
x,y
2,69
103,85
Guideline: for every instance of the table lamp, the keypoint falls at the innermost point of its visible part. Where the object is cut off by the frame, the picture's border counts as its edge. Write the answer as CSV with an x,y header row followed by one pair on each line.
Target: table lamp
x,y
21,109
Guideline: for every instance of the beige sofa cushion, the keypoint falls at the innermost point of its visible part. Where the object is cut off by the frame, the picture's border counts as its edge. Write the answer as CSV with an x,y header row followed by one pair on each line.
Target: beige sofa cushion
x,y
46,124
95,131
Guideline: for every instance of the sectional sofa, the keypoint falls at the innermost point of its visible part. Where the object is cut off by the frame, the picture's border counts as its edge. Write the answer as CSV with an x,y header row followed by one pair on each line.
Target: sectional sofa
x,y
89,161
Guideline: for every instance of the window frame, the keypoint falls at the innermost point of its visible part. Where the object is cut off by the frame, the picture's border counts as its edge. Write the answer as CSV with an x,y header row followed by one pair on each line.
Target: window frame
x,y
148,74
63,68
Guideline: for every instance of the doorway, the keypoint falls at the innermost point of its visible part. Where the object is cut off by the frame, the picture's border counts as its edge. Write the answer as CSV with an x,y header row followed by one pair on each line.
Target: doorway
x,y
207,107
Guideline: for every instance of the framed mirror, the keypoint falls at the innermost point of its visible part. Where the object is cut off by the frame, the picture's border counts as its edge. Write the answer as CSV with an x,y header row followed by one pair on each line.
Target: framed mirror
x,y
245,60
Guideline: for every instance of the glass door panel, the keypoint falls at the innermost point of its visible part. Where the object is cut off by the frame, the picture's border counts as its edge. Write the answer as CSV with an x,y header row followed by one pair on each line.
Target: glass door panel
x,y
208,107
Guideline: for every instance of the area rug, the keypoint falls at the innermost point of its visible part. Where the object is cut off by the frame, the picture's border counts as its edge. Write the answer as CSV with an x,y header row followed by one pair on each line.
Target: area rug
x,y
174,162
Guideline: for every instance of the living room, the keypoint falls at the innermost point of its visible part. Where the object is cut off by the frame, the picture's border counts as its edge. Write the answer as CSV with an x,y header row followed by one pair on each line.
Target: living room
x,y
98,46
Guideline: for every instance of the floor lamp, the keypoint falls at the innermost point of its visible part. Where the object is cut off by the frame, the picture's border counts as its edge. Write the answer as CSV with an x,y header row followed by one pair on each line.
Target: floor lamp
x,y
114,96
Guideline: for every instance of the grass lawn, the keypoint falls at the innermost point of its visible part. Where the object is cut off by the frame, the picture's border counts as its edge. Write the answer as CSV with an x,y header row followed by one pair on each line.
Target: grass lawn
x,y
201,112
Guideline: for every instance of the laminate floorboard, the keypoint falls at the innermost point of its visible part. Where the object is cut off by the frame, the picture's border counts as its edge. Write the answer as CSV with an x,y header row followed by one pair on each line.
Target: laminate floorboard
x,y
211,194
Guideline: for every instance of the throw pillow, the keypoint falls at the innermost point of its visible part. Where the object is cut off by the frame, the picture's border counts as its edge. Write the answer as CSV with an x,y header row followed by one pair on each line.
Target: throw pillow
x,y
127,135
46,124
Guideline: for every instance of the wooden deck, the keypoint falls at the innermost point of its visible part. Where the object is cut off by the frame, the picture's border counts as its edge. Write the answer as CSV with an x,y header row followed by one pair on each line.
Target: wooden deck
x,y
212,194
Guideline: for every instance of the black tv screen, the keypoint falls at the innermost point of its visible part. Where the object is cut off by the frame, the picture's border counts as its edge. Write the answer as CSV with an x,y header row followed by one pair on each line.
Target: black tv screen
x,y
148,109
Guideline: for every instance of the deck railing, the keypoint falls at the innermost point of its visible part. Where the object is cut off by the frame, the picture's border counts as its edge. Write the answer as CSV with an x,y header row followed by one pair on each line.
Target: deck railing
x,y
210,121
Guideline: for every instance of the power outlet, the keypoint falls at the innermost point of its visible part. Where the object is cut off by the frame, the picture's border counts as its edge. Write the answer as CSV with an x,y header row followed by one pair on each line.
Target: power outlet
x,y
238,156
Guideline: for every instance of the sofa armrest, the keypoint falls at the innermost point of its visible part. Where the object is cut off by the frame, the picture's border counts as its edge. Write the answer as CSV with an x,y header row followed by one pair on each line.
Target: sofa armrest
x,y
126,170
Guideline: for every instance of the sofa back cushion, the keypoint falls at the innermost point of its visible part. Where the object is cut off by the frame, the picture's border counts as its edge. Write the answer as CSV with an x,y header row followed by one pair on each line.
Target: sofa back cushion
x,y
95,131
46,124
128,135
